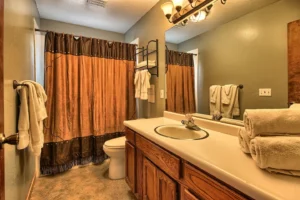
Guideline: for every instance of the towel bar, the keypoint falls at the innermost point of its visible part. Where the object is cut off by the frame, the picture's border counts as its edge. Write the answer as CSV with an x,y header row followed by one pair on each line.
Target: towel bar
x,y
16,84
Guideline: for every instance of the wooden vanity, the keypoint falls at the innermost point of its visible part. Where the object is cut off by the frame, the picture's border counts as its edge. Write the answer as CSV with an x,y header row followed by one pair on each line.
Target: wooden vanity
x,y
154,173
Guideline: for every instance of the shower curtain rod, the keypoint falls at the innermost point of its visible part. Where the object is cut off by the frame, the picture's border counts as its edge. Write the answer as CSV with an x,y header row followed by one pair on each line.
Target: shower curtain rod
x,y
45,31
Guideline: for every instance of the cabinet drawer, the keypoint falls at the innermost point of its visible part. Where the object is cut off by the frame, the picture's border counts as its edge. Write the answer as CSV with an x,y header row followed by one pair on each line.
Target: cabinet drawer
x,y
187,195
160,157
130,135
208,187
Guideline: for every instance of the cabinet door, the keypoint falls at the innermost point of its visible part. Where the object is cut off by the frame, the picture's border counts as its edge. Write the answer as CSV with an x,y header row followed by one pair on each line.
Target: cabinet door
x,y
187,195
166,187
130,166
149,180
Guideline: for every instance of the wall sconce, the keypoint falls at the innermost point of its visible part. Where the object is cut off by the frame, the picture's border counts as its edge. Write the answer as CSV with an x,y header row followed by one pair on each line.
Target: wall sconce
x,y
196,10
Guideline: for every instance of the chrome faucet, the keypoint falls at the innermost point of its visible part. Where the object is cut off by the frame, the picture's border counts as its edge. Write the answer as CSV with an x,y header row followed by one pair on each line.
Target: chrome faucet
x,y
189,123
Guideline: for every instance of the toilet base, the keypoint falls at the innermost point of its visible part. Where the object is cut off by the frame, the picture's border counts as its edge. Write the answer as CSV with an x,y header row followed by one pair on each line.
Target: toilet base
x,y
116,168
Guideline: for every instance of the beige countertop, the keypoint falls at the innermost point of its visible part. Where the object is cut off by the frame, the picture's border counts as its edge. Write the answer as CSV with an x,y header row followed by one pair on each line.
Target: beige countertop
x,y
220,155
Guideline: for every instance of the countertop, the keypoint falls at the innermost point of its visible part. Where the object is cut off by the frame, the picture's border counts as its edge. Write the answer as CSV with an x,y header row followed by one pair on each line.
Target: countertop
x,y
220,155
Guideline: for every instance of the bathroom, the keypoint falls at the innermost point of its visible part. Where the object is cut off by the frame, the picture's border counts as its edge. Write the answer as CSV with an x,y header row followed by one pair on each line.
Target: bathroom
x,y
250,47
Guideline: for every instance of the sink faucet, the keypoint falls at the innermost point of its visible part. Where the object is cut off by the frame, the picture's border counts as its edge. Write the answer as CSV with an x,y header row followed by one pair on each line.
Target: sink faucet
x,y
189,123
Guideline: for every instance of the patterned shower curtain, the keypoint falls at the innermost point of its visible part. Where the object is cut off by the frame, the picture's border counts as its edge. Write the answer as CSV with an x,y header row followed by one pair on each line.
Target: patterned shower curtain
x,y
180,83
89,83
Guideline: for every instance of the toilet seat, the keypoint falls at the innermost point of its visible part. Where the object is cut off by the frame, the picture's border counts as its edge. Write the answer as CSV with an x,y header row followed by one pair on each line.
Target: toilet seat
x,y
117,143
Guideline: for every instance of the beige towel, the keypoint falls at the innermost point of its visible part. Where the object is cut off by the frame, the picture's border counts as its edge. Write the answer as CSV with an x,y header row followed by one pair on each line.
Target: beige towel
x,y
277,152
33,114
23,123
295,106
272,122
137,83
151,63
230,101
215,99
232,121
244,140
145,84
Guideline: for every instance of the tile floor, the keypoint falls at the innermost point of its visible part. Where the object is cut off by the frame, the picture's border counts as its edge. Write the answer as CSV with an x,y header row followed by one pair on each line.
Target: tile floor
x,y
85,183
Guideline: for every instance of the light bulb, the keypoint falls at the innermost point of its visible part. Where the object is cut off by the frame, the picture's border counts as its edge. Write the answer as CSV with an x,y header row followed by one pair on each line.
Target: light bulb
x,y
199,16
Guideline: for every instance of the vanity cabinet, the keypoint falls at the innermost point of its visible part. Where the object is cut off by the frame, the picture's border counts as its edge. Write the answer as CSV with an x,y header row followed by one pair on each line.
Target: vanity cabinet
x,y
154,173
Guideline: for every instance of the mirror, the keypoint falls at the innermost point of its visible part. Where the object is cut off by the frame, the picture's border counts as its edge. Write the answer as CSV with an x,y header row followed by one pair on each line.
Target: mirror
x,y
239,60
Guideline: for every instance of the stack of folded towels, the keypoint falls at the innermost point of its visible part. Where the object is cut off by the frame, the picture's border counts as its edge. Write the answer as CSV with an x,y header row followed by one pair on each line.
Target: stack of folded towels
x,y
272,137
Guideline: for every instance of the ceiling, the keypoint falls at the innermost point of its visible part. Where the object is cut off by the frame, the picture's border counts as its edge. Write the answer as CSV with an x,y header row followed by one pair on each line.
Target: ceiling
x,y
220,14
117,16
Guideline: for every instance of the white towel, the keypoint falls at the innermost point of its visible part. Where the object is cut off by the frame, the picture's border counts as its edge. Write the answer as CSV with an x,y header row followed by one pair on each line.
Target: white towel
x,y
230,101
226,95
244,140
151,63
145,84
215,99
137,83
295,106
32,114
277,152
272,122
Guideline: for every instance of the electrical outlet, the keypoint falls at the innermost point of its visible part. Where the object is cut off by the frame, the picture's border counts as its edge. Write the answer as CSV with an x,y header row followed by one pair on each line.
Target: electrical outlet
x,y
162,94
265,92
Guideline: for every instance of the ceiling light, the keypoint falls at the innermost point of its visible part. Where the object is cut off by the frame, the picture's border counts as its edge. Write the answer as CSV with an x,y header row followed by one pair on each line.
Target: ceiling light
x,y
199,16
178,4
196,10
167,9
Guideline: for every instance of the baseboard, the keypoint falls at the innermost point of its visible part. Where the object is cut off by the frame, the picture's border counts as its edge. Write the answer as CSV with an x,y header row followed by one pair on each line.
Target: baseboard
x,y
31,187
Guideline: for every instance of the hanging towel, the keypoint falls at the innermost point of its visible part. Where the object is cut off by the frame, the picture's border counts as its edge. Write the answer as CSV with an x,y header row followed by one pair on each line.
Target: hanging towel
x,y
244,140
277,152
226,94
272,122
215,99
32,113
137,83
295,106
145,84
230,101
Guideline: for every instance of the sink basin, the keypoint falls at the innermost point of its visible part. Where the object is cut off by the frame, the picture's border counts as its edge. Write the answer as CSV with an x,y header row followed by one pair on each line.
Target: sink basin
x,y
180,132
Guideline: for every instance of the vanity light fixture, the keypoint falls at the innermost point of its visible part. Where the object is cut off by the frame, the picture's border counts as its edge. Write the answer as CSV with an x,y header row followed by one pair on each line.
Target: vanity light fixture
x,y
196,10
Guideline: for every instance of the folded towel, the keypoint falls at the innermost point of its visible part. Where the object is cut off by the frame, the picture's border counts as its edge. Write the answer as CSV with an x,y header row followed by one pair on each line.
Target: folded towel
x,y
244,140
226,94
277,152
272,122
232,121
287,172
215,99
151,63
137,83
295,106
230,101
145,84
203,116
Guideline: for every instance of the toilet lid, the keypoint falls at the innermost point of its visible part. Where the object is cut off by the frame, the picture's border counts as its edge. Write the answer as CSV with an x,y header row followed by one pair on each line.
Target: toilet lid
x,y
116,143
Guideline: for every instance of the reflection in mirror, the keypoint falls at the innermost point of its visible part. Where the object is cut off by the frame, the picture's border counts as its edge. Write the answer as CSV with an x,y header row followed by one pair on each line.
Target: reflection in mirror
x,y
241,61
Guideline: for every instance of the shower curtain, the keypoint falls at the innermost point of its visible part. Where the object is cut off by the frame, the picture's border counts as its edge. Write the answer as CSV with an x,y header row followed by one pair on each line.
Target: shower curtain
x,y
180,83
89,83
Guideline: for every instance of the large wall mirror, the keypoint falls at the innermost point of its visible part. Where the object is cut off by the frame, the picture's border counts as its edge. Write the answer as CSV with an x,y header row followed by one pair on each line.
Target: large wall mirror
x,y
240,48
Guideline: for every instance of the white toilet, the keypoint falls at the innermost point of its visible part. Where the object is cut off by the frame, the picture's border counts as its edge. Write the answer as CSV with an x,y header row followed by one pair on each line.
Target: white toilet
x,y
115,149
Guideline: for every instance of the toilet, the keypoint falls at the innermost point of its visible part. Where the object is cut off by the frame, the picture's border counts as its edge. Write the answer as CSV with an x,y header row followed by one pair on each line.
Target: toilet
x,y
115,149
